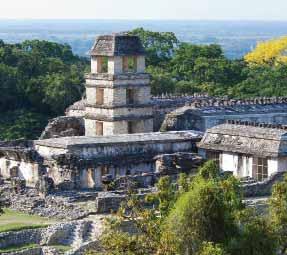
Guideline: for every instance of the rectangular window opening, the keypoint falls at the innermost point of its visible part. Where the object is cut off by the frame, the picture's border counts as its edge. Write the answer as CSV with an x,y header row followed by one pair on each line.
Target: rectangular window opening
x,y
260,169
102,63
129,64
215,156
99,96
130,96
131,127
99,128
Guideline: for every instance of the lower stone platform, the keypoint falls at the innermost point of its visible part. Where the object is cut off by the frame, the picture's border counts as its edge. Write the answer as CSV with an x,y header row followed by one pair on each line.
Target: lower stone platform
x,y
81,162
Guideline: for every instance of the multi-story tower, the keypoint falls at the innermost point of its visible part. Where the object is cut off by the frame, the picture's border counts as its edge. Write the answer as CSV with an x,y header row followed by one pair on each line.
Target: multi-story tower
x,y
118,89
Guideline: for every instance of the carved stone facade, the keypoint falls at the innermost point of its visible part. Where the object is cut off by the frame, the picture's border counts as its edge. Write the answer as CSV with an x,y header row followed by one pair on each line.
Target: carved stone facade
x,y
247,149
81,162
117,89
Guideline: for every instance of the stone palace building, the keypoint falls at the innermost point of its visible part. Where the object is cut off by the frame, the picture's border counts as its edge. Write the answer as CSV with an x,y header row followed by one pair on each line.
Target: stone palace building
x,y
112,138
114,131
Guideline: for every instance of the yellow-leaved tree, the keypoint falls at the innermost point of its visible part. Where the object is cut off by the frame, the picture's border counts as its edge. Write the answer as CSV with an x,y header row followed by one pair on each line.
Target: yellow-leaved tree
x,y
269,52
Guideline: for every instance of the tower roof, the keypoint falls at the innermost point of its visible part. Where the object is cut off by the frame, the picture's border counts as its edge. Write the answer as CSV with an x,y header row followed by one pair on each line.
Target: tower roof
x,y
117,45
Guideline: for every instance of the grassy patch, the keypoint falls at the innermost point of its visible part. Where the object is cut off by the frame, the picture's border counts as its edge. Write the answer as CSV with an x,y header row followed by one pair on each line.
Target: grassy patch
x,y
18,247
15,221
62,248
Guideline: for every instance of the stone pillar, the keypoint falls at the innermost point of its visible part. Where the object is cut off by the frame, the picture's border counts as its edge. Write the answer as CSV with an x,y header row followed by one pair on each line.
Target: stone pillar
x,y
140,64
94,64
115,65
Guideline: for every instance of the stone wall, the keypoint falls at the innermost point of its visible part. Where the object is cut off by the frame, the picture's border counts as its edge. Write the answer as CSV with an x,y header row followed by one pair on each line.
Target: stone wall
x,y
109,202
31,251
170,164
166,104
58,234
29,171
118,113
28,236
162,105
257,189
64,126
202,114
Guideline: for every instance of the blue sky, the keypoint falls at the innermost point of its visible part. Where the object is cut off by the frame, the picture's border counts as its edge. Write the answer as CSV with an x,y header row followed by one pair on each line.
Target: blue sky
x,y
145,9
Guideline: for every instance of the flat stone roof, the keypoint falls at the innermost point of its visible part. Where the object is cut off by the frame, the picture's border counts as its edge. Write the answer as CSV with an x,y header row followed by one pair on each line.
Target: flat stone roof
x,y
250,140
250,131
232,110
84,141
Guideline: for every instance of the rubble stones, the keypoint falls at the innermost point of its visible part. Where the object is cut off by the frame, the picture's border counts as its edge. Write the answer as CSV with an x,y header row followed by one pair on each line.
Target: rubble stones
x,y
45,185
202,114
31,251
20,237
64,126
61,206
257,189
79,235
170,164
18,185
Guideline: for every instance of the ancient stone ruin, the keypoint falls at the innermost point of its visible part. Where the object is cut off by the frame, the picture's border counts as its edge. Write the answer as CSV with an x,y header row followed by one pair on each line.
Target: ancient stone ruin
x,y
109,142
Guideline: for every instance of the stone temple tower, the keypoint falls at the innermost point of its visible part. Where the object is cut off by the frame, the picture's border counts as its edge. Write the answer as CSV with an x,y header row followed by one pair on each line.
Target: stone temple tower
x,y
118,89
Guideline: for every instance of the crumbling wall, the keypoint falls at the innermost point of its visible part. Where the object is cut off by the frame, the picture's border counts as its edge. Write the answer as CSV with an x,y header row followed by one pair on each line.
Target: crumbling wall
x,y
162,105
202,114
257,189
64,126
165,104
20,237
19,159
30,251
170,164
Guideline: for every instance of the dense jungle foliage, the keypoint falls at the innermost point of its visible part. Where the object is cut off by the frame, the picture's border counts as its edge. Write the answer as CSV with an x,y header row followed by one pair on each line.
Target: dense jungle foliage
x,y
39,79
198,215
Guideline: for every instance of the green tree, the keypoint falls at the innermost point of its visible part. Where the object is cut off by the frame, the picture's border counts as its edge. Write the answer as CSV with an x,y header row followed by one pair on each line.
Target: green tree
x,y
8,87
278,213
207,218
21,124
262,81
161,81
159,46
185,57
37,77
209,248
187,87
200,215
165,195
255,237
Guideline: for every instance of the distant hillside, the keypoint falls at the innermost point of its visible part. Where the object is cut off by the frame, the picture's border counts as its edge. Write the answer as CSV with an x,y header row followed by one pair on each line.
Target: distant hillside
x,y
236,37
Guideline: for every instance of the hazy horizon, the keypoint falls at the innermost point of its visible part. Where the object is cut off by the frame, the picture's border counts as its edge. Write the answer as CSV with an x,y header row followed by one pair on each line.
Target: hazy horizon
x,y
236,37
145,10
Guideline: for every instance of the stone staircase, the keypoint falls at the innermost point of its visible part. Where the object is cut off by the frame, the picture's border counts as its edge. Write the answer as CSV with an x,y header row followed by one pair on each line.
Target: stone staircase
x,y
95,231
85,232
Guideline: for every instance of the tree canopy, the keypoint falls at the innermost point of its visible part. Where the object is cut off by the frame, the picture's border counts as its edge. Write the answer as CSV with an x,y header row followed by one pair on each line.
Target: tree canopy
x,y
198,215
159,46
269,52
38,80
43,78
